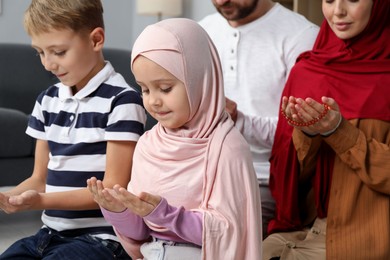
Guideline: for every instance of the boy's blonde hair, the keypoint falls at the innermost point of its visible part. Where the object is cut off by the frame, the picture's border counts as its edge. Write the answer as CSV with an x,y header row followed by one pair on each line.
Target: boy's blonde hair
x,y
77,15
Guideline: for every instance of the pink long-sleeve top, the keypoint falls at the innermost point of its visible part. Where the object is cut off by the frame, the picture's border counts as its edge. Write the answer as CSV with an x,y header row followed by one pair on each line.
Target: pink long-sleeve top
x,y
184,226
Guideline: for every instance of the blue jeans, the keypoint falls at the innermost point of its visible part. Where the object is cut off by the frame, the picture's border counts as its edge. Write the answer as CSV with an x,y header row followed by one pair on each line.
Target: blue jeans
x,y
49,244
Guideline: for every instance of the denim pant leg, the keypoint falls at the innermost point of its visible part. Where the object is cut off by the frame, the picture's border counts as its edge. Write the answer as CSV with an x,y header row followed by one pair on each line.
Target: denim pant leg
x,y
28,247
48,244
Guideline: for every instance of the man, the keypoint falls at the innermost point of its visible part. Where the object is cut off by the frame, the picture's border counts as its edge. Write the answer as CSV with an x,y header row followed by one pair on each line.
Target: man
x,y
258,42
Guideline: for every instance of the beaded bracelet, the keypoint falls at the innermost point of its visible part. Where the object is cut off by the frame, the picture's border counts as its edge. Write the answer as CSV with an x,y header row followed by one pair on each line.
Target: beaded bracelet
x,y
311,122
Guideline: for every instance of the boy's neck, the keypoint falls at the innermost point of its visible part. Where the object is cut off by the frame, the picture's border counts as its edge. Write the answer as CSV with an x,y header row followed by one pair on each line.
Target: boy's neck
x,y
99,66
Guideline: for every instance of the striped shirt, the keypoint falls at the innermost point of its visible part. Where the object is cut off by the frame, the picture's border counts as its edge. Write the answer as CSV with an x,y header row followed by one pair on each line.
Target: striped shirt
x,y
77,128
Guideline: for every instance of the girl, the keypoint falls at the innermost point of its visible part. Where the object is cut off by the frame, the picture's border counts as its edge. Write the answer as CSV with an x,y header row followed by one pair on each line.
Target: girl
x,y
193,191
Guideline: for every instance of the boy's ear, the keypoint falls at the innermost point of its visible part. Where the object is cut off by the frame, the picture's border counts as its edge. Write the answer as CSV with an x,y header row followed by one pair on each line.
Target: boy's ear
x,y
97,38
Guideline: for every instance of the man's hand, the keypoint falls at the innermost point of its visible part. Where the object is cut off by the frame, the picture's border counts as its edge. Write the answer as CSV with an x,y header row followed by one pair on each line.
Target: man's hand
x,y
231,108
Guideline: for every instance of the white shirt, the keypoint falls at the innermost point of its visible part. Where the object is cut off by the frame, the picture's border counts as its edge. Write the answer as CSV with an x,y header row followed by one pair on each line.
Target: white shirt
x,y
256,60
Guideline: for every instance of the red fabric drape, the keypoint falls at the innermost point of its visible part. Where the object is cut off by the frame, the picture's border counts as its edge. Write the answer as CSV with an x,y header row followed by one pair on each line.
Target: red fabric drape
x,y
356,73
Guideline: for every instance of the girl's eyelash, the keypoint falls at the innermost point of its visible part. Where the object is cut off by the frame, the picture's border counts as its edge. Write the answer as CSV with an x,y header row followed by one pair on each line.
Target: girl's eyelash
x,y
163,90
60,53
166,90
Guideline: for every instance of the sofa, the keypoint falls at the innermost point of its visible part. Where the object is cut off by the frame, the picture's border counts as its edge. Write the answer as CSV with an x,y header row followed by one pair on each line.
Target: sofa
x,y
22,78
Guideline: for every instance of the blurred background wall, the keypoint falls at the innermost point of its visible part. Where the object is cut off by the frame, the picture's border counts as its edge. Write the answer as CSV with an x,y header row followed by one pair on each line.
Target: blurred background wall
x,y
122,22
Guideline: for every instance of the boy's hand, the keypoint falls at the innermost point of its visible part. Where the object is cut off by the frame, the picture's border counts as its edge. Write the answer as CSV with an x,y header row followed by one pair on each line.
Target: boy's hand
x,y
16,203
4,202
103,196
142,205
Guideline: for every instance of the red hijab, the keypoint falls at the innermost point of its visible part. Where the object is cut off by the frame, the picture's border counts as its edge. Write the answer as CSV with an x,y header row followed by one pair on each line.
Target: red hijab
x,y
356,73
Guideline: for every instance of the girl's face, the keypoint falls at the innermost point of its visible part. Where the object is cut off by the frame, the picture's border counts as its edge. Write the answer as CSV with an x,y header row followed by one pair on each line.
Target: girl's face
x,y
164,96
74,58
347,18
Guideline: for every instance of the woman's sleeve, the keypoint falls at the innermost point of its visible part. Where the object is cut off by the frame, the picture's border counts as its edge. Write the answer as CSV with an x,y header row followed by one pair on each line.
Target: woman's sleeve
x,y
365,150
307,149
128,224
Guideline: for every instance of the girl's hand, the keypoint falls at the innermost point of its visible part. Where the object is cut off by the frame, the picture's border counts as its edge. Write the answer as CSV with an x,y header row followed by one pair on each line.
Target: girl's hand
x,y
105,197
141,205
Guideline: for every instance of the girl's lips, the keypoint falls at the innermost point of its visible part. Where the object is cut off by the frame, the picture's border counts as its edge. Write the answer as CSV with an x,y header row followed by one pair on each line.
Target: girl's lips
x,y
162,113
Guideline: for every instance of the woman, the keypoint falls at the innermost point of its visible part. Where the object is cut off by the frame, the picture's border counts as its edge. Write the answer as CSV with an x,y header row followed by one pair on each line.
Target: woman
x,y
330,165
193,193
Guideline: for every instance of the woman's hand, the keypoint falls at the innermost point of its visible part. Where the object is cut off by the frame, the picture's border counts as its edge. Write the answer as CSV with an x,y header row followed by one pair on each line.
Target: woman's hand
x,y
311,116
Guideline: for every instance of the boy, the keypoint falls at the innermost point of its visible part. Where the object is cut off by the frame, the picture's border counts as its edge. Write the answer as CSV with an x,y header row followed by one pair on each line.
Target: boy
x,y
85,125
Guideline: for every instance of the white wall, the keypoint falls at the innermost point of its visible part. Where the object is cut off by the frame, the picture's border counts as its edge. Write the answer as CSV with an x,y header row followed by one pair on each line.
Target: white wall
x,y
122,23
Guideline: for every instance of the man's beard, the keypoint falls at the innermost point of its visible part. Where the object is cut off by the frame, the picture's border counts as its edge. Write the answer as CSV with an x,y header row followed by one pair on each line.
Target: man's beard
x,y
240,12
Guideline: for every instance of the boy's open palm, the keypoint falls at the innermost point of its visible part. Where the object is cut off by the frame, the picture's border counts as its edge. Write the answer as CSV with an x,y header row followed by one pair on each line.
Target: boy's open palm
x,y
21,202
4,202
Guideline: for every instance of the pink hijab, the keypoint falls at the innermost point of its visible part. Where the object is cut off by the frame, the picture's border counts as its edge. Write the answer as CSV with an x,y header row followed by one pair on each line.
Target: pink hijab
x,y
194,166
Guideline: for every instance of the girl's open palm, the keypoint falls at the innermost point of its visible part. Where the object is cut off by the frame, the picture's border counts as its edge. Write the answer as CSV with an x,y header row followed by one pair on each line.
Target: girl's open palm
x,y
141,205
119,198
103,196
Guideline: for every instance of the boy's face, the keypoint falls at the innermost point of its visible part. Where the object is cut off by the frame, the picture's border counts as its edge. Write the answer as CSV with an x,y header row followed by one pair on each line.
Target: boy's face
x,y
73,57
